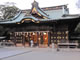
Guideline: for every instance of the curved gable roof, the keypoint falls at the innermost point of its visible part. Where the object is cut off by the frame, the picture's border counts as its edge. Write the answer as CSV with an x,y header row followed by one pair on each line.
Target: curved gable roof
x,y
52,13
37,10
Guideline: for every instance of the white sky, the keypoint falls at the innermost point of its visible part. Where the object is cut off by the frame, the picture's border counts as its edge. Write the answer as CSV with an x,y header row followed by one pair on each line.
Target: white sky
x,y
26,4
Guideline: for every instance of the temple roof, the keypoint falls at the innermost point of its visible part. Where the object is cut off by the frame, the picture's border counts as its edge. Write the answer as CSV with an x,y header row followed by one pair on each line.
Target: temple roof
x,y
43,14
36,10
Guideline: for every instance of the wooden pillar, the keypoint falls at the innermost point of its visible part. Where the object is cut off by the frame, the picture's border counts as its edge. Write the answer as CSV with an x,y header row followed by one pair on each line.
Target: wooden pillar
x,y
49,38
38,38
56,42
29,38
14,38
67,36
54,29
23,39
41,41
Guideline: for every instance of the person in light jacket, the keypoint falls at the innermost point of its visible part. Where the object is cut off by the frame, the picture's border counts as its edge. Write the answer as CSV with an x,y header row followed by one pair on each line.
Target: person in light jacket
x,y
31,42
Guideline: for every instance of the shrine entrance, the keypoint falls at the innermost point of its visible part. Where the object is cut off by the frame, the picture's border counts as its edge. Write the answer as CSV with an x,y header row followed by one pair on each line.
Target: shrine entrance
x,y
40,38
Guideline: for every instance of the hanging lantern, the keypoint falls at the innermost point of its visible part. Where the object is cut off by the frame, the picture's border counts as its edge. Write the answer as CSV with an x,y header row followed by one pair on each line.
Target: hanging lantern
x,y
44,33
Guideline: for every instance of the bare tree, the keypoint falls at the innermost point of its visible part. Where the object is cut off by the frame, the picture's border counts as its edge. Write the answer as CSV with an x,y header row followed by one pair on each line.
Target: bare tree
x,y
10,4
1,11
8,10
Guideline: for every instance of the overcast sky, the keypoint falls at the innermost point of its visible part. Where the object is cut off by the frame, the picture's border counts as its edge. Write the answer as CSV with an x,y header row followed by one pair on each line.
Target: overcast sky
x,y
26,4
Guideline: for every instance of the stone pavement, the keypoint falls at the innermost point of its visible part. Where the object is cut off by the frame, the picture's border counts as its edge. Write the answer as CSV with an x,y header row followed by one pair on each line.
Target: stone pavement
x,y
9,52
39,54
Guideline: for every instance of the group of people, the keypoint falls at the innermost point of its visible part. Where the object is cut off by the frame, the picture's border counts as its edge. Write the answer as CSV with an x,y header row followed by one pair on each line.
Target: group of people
x,y
53,45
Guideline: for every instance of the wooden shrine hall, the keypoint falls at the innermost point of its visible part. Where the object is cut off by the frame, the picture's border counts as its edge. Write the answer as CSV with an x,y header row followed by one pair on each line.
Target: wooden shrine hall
x,y
42,25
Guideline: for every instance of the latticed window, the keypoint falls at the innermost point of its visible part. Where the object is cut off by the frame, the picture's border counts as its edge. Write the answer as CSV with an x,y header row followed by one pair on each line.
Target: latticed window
x,y
59,37
58,32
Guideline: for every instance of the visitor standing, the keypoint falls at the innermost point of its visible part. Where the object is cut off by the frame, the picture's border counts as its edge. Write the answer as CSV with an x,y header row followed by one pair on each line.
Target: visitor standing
x,y
31,42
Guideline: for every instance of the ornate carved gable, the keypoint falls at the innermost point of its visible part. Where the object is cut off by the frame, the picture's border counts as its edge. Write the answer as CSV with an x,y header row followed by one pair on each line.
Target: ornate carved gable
x,y
37,12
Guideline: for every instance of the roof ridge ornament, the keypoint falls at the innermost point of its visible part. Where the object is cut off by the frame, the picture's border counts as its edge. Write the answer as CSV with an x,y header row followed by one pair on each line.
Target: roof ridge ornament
x,y
35,4
38,11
